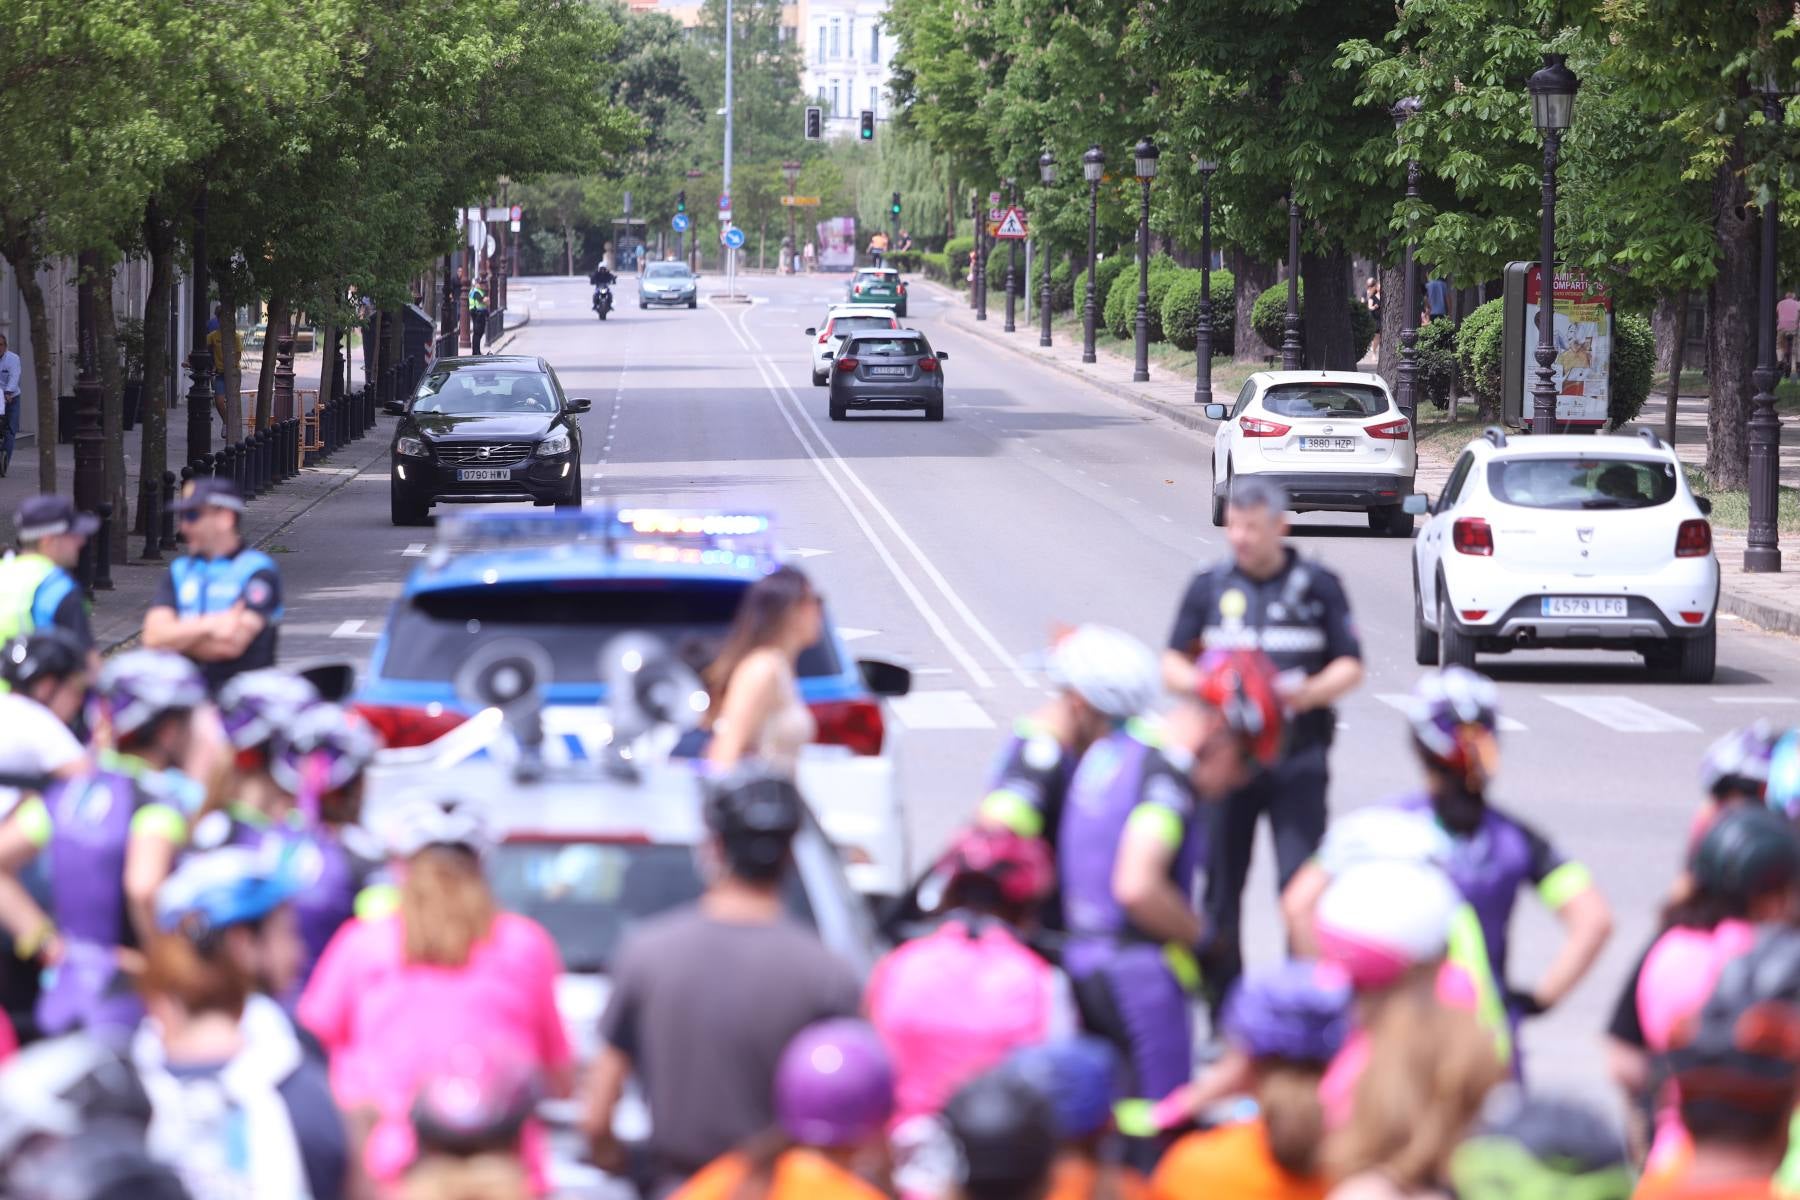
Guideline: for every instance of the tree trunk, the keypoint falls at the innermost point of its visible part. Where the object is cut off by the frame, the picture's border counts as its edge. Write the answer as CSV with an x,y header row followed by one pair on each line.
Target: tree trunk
x,y
153,456
1678,354
231,364
1663,324
568,250
1731,326
1326,314
112,407
1249,279
328,360
24,257
1393,320
275,329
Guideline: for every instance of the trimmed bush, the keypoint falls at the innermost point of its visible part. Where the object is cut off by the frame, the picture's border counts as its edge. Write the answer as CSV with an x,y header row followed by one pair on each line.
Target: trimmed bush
x,y
1181,311
1478,349
1105,272
1062,286
957,249
1269,318
907,262
937,266
1437,363
1633,366
1121,299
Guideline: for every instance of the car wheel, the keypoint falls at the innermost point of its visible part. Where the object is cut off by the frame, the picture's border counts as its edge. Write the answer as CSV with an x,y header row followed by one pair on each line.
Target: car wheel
x,y
820,380
642,305
1455,648
1221,496
405,510
1391,520
1690,660
694,303
901,313
934,412
1425,642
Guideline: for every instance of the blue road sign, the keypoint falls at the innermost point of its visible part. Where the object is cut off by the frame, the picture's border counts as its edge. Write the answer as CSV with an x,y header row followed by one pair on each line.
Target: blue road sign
x,y
734,237
680,222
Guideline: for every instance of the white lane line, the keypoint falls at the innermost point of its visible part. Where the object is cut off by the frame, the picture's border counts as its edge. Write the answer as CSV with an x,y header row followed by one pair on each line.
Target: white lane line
x,y
1401,702
805,552
416,550
354,629
940,710
1621,714
852,634
1754,700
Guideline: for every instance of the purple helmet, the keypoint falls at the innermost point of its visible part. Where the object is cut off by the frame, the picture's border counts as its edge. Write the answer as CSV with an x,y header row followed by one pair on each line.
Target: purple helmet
x,y
1298,1011
322,750
834,1085
1446,705
478,1102
1739,761
143,685
256,705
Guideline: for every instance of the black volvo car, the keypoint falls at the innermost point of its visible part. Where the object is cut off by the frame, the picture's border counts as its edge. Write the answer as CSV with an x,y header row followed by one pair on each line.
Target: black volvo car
x,y
484,429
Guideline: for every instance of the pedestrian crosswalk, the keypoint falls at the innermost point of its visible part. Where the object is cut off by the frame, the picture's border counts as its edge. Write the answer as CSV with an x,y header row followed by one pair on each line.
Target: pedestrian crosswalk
x,y
1622,714
1553,712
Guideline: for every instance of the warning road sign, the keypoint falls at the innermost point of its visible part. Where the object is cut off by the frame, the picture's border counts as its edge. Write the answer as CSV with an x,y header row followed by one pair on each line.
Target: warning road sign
x,y
1012,226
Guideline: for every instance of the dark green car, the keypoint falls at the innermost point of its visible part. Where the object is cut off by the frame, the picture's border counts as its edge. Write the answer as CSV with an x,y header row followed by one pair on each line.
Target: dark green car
x,y
879,285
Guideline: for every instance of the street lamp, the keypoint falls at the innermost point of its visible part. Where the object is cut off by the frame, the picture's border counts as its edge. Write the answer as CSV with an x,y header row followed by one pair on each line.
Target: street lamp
x,y
1144,155
1290,329
1408,379
791,171
980,263
1762,549
200,363
1046,173
1552,105
1203,331
1093,166
1012,259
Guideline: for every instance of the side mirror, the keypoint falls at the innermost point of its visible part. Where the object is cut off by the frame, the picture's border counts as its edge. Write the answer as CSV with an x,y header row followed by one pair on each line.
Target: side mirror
x,y
1704,505
580,405
1216,412
1417,504
395,407
884,678
334,680
812,331
829,355
943,354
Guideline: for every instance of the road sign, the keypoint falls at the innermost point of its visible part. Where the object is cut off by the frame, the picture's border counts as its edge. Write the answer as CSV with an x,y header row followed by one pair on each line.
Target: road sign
x,y
518,212
725,202
724,216
1012,226
734,237
693,174
800,202
679,222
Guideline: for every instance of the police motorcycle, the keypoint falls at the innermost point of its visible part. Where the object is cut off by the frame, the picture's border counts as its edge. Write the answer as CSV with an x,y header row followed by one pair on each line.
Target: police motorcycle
x,y
603,296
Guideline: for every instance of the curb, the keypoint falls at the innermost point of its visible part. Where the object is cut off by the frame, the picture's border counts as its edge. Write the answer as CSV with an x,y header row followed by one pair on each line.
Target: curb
x,y
1760,613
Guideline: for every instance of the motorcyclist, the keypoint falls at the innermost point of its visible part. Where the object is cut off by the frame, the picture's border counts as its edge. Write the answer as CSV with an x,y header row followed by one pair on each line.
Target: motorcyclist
x,y
602,281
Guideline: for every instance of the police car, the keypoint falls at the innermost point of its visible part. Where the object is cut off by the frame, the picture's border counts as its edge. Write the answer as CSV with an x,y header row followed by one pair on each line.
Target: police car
x,y
568,583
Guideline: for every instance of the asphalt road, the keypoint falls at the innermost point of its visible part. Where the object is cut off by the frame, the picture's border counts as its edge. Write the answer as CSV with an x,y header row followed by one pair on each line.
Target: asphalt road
x,y
954,548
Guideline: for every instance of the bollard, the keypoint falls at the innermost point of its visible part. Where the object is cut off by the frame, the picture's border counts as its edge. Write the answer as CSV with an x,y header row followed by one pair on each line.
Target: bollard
x,y
264,477
232,465
290,447
84,568
170,483
246,468
103,580
151,507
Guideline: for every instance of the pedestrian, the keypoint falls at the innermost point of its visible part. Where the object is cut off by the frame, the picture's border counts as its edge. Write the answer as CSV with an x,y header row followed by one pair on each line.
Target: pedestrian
x,y
810,254
478,315
1372,302
755,708
1437,299
1267,597
221,371
1787,324
706,1054
220,603
906,242
11,372
37,589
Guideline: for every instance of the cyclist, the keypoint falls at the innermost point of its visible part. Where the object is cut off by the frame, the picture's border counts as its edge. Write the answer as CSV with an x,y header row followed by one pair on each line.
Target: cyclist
x,y
1076,1075
109,837
1540,1146
469,1121
1783,791
246,804
834,1093
37,589
1005,1132
46,682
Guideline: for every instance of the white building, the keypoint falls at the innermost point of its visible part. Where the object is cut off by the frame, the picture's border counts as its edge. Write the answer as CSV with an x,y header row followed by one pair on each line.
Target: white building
x,y
846,55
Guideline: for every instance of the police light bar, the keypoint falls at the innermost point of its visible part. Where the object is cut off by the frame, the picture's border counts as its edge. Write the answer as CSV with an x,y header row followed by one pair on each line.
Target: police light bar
x,y
647,534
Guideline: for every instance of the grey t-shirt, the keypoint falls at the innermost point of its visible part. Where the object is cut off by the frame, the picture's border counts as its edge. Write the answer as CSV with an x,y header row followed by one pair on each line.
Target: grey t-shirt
x,y
703,1008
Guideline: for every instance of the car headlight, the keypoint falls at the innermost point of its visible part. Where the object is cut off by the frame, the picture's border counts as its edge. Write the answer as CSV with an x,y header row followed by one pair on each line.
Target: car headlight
x,y
412,447
556,443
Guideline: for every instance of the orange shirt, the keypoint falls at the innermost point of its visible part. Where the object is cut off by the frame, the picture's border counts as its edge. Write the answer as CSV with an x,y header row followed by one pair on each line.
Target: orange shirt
x,y
1076,1178
1231,1161
1673,1185
800,1174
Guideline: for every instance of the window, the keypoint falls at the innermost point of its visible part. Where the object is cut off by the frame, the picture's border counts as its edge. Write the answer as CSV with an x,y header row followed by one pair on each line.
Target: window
x,y
887,346
1582,483
875,44
850,38
821,95
837,47
1454,487
836,108
1243,397
874,100
821,41
1347,400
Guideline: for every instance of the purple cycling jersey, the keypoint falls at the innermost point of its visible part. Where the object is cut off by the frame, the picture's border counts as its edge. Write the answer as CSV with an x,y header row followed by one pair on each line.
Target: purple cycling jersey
x,y
1030,783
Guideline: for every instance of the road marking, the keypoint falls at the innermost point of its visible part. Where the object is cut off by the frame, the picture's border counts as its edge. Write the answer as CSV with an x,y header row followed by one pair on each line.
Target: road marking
x,y
805,552
546,304
851,634
940,710
416,550
1624,715
1401,702
353,629
1754,700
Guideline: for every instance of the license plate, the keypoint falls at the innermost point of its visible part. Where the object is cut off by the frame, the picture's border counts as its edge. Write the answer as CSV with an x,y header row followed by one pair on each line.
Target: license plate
x,y
1328,443
1583,606
887,370
484,475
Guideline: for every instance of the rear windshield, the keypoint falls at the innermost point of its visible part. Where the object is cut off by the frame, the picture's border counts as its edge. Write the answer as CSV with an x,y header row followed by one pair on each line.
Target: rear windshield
x,y
1582,483
1341,400
843,326
884,347
434,632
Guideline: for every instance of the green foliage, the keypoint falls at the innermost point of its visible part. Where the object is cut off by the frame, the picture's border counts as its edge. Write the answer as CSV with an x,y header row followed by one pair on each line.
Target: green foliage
x,y
936,266
1633,367
1479,352
1121,298
1268,316
1181,310
1437,364
1062,289
1106,271
1363,327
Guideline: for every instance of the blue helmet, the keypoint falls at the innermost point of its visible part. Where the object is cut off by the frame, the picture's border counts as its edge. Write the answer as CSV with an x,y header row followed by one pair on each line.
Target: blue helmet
x,y
1783,792
233,885
1298,1011
1076,1075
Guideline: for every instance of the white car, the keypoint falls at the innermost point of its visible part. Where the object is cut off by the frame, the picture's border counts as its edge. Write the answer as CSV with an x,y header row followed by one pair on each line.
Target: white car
x,y
1334,440
840,321
1567,542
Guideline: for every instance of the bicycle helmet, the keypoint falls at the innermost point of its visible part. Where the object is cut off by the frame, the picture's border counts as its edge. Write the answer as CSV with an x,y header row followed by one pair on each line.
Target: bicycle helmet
x,y
1747,852
1378,919
1741,1051
1738,763
57,1088
1540,1146
141,686
834,1084
422,822
1016,870
50,653
1783,793
755,814
477,1104
232,885
1453,714
107,1161
1115,673
256,705
322,750
1005,1130
1383,834
1240,684
1076,1075
1298,1012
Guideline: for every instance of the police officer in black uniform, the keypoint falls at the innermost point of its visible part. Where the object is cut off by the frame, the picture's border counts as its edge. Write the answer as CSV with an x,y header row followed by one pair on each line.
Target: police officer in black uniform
x,y
1268,598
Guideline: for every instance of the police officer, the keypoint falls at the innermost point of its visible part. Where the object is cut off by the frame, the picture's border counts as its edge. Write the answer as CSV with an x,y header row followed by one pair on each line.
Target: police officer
x,y
478,316
37,590
1268,598
221,603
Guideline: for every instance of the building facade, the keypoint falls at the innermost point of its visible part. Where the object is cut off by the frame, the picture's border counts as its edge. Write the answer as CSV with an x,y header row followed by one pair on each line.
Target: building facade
x,y
846,53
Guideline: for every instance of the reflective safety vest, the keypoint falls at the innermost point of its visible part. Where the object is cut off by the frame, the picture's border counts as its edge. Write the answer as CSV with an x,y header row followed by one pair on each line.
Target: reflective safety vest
x,y
32,588
477,300
209,585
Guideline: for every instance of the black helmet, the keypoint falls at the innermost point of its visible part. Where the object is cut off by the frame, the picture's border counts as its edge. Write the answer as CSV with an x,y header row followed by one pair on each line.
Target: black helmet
x,y
1741,1053
1542,1146
1748,851
755,813
1006,1131
56,1088
105,1162
46,653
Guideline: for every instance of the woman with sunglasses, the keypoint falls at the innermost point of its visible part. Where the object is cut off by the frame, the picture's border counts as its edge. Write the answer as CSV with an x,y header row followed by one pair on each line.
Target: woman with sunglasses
x,y
756,709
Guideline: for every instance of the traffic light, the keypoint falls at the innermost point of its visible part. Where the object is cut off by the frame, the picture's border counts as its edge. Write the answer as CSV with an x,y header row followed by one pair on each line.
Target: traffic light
x,y
895,206
815,123
868,125
681,201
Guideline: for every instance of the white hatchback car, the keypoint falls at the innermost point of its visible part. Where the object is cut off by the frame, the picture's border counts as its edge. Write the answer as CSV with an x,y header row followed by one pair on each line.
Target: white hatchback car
x,y
840,322
1334,440
1567,542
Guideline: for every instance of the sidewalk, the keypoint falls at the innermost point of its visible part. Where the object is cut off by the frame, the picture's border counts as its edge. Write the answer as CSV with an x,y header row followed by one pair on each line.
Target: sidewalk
x,y
1770,601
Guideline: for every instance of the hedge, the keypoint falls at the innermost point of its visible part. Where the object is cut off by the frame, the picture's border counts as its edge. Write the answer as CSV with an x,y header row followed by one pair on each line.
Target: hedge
x,y
1062,291
937,266
957,251
1105,272
1121,298
1268,316
904,261
1181,310
1633,366
1437,363
1478,352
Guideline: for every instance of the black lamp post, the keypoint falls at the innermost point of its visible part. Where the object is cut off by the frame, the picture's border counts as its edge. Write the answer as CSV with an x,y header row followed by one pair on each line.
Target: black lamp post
x,y
1203,331
1290,330
1144,155
1408,380
1762,548
1093,166
1012,262
1552,106
980,258
200,363
1047,174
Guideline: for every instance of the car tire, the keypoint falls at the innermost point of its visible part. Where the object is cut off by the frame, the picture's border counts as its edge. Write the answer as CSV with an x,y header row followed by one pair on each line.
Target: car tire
x,y
934,412
694,303
1391,521
901,312
821,380
642,306
1696,659
838,412
405,510
1220,496
1455,648
1425,641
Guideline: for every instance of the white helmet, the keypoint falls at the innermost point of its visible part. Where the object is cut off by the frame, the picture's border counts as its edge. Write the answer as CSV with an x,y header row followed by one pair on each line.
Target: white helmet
x,y
1111,670
425,821
1378,919
1383,834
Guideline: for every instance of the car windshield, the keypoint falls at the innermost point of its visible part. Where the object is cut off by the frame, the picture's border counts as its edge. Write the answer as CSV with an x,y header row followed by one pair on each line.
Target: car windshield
x,y
666,270
433,633
1341,400
888,346
589,895
845,326
484,391
1582,483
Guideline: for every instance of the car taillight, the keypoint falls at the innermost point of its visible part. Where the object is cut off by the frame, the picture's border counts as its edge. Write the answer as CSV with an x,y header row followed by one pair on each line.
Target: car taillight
x,y
1472,535
855,724
1252,427
1693,539
403,726
846,364
857,289
903,289
1393,431
928,364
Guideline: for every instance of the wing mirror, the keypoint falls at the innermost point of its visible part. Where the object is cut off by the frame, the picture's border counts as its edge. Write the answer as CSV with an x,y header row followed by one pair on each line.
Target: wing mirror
x,y
395,408
943,355
1704,505
580,405
1418,504
1215,412
812,331
334,680
884,678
